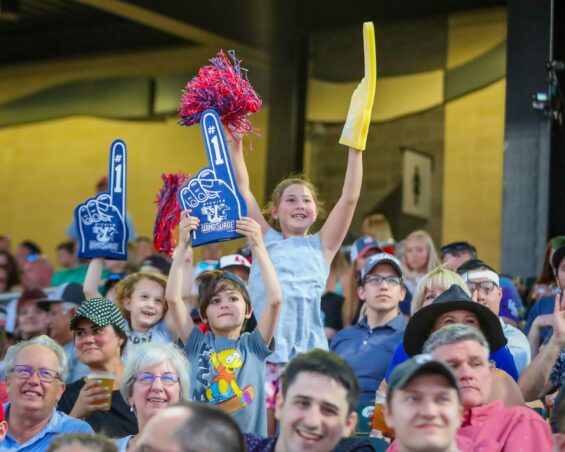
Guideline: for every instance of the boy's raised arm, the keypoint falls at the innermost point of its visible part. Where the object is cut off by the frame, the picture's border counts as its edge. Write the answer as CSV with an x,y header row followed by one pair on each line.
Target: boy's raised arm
x,y
178,318
268,321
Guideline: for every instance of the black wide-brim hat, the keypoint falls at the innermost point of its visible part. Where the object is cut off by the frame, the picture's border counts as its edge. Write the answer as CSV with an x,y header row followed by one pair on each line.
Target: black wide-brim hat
x,y
419,327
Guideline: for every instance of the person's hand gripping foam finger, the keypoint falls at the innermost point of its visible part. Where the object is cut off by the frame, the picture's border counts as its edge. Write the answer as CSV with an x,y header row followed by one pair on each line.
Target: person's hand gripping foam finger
x,y
356,126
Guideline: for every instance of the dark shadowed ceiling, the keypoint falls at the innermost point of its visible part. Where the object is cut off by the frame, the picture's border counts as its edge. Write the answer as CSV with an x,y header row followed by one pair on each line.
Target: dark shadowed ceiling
x,y
61,29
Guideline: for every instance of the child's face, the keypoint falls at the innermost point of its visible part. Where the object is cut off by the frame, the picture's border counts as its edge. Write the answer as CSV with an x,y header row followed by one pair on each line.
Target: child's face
x,y
146,304
227,311
296,211
416,254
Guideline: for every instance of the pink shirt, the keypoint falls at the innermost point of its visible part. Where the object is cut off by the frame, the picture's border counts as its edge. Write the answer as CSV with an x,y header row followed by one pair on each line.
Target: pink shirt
x,y
494,428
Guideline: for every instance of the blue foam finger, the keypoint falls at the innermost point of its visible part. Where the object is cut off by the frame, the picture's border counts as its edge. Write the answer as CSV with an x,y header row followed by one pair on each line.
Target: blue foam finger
x,y
216,147
117,175
218,201
100,220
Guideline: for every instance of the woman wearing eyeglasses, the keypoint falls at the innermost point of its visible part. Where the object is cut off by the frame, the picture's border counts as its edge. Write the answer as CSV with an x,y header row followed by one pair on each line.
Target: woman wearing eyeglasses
x,y
100,338
156,376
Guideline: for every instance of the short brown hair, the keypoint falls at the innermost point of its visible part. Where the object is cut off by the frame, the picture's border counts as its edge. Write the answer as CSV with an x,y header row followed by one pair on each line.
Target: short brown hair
x,y
212,282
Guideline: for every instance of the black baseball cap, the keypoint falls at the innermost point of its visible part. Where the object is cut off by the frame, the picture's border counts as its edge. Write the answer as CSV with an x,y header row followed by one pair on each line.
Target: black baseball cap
x,y
417,365
65,293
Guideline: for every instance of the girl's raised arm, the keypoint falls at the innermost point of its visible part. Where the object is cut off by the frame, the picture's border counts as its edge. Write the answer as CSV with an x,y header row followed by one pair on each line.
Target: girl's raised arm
x,y
178,317
242,176
93,278
337,224
268,321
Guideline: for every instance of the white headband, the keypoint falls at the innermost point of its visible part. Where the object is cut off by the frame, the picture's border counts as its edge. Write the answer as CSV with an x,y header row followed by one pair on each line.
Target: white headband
x,y
481,274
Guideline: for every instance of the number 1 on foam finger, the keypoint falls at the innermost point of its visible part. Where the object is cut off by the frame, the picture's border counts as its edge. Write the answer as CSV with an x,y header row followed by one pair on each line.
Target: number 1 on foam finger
x,y
218,155
118,180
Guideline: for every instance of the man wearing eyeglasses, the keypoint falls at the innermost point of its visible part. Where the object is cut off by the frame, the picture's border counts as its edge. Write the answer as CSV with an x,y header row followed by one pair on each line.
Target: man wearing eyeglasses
x,y
36,371
484,284
369,345
61,307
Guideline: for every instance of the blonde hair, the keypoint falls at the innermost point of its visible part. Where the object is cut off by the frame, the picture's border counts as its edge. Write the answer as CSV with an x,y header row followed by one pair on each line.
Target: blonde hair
x,y
124,289
277,194
433,259
376,225
439,278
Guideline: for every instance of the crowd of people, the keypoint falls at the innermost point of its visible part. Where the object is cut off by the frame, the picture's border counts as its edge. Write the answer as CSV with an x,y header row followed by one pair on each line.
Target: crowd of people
x,y
277,346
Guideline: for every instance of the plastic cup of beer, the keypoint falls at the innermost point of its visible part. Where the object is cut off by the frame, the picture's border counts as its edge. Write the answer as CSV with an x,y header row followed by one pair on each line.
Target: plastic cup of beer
x,y
104,380
378,418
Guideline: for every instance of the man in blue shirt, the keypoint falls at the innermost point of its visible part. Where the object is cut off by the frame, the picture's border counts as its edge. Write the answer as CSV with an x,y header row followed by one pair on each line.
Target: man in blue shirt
x,y
36,371
369,345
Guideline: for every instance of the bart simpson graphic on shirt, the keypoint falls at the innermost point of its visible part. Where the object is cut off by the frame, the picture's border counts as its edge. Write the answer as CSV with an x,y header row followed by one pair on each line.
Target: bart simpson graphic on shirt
x,y
224,390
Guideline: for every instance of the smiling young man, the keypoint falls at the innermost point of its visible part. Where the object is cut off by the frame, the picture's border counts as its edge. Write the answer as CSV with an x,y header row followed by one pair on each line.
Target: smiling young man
x,y
316,407
380,331
423,406
36,372
490,426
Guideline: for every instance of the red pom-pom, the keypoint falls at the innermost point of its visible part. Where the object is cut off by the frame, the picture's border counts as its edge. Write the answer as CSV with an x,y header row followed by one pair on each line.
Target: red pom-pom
x,y
168,212
223,87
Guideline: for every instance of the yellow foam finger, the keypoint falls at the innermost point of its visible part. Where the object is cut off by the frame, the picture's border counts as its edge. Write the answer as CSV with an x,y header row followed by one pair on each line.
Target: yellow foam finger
x,y
359,116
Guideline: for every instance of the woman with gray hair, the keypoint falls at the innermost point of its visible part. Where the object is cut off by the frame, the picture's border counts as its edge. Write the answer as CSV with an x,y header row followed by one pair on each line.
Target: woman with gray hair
x,y
156,376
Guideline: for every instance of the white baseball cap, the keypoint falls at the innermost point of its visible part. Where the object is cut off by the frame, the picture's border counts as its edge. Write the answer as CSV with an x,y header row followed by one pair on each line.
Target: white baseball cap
x,y
233,260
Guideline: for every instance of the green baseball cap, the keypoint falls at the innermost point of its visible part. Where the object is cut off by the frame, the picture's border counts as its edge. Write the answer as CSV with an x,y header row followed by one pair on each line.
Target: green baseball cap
x,y
418,364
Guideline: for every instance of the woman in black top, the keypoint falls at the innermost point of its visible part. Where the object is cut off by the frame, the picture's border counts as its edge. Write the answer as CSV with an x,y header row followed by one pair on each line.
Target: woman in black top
x,y
99,340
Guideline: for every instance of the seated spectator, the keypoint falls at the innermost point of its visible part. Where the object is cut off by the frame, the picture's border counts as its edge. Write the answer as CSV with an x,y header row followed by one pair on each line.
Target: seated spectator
x,y
143,249
27,250
455,254
455,306
484,284
361,250
380,331
156,376
423,405
539,318
545,283
5,243
236,264
67,255
156,264
419,258
9,281
490,426
36,272
191,426
100,339
31,321
61,306
316,407
546,373
36,373
82,442
73,270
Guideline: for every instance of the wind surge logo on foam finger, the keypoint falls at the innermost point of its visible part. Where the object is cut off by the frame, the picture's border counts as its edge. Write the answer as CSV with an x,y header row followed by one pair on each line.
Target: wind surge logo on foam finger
x,y
212,195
